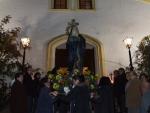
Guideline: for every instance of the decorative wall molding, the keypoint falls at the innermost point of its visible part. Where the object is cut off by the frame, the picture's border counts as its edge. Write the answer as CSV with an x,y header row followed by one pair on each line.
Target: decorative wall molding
x,y
62,39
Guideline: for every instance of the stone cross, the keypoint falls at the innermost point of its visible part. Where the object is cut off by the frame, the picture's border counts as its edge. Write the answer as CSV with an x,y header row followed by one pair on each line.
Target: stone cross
x,y
72,27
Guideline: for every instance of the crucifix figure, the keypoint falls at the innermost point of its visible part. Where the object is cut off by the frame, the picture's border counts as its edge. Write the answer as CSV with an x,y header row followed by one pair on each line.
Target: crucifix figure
x,y
76,47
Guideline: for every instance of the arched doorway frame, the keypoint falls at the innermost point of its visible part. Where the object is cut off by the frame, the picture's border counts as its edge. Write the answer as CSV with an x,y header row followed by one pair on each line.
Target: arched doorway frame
x,y
61,39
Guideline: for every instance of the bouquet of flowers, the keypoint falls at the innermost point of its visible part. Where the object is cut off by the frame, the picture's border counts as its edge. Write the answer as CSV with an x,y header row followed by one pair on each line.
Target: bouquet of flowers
x,y
61,79
90,78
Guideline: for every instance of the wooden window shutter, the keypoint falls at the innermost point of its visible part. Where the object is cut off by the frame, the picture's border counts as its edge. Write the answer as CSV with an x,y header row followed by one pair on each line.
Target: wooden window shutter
x,y
85,4
60,4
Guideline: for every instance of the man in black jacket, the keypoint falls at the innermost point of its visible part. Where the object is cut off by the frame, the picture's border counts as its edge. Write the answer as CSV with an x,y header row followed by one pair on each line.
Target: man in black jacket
x,y
119,85
80,96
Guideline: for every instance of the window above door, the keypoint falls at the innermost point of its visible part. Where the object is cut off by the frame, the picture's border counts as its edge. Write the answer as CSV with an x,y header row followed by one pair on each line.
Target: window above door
x,y
73,5
86,4
60,4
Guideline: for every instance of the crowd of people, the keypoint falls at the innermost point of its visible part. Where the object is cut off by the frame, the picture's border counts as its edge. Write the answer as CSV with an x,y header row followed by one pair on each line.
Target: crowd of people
x,y
129,93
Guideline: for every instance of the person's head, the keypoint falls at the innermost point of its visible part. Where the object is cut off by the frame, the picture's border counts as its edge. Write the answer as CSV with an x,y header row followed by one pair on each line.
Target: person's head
x,y
19,77
77,79
121,71
116,73
104,81
37,75
143,76
29,70
45,81
147,79
132,75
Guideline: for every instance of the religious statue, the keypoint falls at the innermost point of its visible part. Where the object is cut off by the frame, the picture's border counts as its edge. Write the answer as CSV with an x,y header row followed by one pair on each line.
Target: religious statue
x,y
76,47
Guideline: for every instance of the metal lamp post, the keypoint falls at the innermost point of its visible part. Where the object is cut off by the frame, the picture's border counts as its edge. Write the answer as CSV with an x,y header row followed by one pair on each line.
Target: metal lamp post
x,y
128,43
25,41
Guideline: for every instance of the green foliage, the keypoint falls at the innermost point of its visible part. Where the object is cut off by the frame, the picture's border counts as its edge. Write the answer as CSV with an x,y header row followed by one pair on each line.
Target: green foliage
x,y
143,55
9,52
61,78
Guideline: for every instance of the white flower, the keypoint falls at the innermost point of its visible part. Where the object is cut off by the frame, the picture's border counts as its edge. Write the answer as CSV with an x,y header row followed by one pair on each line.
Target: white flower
x,y
66,90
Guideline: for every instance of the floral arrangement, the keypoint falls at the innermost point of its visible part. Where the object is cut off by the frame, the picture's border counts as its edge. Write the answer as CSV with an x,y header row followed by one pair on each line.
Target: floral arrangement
x,y
61,78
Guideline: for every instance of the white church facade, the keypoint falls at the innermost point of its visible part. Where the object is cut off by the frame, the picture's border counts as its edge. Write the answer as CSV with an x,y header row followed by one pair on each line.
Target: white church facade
x,y
103,23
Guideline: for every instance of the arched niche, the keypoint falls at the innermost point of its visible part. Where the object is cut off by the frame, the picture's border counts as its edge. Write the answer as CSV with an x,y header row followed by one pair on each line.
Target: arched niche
x,y
62,39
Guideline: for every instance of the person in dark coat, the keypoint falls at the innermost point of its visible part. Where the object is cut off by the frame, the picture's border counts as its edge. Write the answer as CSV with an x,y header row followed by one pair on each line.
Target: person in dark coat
x,y
119,86
103,101
63,103
36,88
45,100
145,103
18,98
80,96
29,86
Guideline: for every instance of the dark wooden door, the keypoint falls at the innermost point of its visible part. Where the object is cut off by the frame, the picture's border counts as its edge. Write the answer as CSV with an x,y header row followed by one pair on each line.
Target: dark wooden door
x,y
61,58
